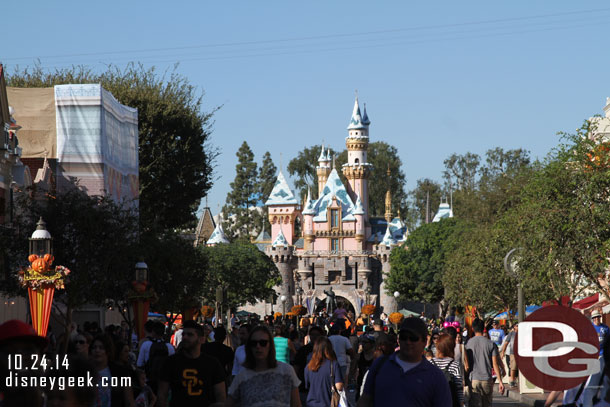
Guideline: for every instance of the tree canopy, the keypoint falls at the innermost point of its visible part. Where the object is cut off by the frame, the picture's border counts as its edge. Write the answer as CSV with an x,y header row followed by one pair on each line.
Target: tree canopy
x,y
93,236
248,274
417,270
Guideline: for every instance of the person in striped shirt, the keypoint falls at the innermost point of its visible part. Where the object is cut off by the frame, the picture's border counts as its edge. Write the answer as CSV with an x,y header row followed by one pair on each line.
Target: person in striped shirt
x,y
444,360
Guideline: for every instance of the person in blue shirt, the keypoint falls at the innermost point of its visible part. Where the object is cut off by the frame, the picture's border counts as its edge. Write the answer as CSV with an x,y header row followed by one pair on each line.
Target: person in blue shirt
x,y
496,334
406,378
601,329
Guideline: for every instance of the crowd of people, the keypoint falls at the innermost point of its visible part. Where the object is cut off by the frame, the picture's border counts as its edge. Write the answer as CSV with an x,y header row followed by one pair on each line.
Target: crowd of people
x,y
321,362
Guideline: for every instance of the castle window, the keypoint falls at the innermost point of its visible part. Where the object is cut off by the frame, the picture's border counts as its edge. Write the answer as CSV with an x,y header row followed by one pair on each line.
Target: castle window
x,y
357,161
334,245
334,218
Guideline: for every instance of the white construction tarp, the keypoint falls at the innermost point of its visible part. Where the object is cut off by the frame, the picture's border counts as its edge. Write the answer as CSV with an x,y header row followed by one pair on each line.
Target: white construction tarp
x,y
97,140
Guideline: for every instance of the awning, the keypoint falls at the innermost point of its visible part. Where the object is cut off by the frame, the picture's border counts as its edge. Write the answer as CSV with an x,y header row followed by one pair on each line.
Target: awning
x,y
586,302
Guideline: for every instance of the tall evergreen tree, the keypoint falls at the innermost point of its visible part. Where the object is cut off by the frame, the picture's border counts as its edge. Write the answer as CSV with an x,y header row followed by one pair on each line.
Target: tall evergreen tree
x,y
238,217
266,181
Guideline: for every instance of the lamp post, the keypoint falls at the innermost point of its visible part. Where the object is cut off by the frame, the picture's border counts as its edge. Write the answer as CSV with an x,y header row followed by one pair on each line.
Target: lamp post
x,y
396,295
511,267
40,279
300,295
368,294
140,297
283,299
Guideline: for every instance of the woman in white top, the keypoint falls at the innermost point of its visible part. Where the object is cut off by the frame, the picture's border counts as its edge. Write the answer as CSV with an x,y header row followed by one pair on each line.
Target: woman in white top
x,y
264,381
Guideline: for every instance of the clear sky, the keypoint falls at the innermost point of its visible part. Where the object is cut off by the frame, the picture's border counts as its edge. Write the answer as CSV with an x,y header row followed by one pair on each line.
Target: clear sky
x,y
437,77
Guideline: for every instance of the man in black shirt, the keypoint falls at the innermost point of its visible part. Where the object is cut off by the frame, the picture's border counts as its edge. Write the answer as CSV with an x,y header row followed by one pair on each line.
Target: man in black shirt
x,y
218,350
194,379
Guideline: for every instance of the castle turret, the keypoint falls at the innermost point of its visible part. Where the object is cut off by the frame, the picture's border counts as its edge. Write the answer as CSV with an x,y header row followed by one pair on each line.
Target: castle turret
x,y
283,209
308,214
360,226
386,301
323,169
282,255
357,169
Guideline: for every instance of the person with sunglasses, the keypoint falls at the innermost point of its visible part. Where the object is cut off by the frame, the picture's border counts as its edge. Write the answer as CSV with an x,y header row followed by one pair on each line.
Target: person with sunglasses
x,y
264,381
406,378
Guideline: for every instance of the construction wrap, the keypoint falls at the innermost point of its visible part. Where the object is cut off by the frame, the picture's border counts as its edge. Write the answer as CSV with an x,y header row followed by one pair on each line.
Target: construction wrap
x,y
97,140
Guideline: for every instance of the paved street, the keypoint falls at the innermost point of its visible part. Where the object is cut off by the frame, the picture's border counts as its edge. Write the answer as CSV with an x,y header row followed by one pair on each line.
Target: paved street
x,y
504,401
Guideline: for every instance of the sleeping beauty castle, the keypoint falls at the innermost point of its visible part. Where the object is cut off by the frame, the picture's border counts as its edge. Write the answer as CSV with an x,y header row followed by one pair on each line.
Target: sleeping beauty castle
x,y
337,244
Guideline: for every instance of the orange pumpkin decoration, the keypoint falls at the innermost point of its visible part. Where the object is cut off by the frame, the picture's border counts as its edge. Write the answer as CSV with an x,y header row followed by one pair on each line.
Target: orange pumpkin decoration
x,y
139,286
39,265
49,258
32,258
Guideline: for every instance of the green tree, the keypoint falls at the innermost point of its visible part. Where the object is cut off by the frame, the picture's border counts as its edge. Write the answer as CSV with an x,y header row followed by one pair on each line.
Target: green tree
x,y
176,159
461,171
247,273
239,217
482,192
475,275
266,180
303,169
417,271
561,221
177,272
93,236
426,198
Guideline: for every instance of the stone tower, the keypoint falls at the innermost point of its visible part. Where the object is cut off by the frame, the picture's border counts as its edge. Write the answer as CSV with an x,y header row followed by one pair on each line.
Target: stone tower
x,y
282,255
357,169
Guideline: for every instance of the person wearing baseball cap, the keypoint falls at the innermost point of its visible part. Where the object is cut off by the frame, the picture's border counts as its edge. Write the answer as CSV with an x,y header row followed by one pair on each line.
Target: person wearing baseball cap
x,y
406,378
601,329
19,338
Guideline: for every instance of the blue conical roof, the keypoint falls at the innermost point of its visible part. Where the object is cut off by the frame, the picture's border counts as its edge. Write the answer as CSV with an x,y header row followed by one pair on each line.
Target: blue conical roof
x,y
444,211
281,193
388,239
323,157
365,117
309,204
356,120
280,240
358,207
218,236
333,188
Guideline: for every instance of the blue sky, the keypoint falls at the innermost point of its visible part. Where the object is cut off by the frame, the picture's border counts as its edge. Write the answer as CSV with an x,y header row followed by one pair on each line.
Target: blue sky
x,y
438,78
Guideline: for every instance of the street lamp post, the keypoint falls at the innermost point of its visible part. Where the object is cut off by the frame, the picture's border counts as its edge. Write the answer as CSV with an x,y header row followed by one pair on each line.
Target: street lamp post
x,y
40,279
396,295
140,297
511,266
283,299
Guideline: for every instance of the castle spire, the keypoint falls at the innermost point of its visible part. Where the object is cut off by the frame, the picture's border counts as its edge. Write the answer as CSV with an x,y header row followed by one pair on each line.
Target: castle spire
x,y
322,157
388,199
356,120
365,117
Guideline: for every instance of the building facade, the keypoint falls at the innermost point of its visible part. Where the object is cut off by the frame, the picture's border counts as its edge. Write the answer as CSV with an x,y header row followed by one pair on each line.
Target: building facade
x,y
340,245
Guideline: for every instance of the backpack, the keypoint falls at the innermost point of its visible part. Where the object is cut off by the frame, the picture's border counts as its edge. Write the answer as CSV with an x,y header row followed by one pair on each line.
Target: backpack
x,y
452,386
157,355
